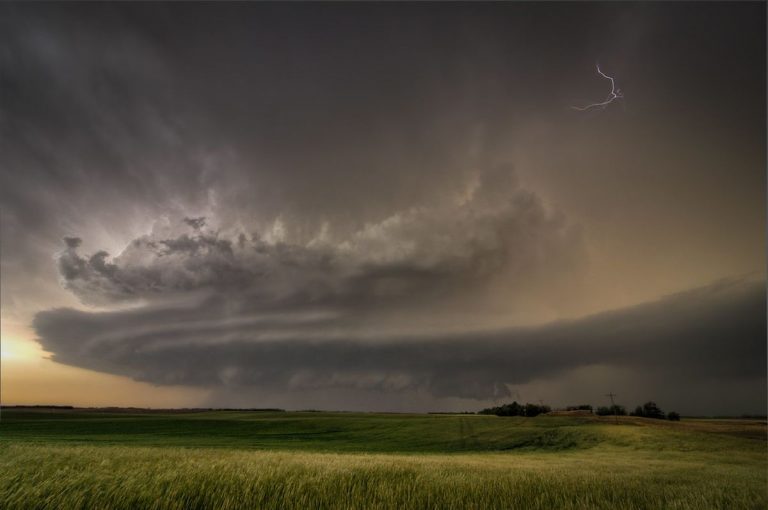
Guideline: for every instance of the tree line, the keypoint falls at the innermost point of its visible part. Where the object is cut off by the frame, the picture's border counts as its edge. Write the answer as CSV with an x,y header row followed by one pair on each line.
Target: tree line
x,y
515,409
648,410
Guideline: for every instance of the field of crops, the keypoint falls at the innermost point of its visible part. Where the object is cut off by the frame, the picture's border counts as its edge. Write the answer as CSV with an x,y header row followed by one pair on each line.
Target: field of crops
x,y
77,459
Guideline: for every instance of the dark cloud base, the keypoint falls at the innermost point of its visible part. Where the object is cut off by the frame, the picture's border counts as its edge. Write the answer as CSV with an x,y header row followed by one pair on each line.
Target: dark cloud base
x,y
712,333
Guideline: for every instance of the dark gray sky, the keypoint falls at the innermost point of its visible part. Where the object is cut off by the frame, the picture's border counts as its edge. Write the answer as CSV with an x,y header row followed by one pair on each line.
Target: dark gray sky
x,y
383,205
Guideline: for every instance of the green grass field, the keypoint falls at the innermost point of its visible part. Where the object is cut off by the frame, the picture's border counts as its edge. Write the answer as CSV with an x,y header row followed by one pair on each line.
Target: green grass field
x,y
80,459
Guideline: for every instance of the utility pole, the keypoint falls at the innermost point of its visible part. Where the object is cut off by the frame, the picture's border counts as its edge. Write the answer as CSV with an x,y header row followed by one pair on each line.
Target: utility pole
x,y
613,406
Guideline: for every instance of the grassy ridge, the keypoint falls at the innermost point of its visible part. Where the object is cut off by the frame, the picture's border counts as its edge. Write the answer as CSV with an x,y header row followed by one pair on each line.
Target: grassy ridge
x,y
314,460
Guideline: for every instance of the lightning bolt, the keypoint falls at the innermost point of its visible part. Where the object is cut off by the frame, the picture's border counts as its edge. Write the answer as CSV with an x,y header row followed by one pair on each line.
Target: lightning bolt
x,y
614,95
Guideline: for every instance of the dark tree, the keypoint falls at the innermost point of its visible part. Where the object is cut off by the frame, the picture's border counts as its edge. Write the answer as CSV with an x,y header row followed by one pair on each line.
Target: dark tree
x,y
515,409
532,410
616,410
673,416
651,410
580,407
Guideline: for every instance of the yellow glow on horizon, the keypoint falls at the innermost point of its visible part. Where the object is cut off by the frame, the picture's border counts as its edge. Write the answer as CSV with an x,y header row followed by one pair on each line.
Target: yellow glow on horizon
x,y
30,377
17,350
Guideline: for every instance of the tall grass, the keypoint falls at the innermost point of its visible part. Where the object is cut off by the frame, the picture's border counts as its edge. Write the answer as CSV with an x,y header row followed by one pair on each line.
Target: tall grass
x,y
120,477
533,464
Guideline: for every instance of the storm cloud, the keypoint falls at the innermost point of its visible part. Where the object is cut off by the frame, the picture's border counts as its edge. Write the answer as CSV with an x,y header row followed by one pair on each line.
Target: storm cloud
x,y
372,204
716,332
495,230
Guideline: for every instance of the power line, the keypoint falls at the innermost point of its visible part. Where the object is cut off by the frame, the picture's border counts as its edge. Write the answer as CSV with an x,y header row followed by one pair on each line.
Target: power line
x,y
613,406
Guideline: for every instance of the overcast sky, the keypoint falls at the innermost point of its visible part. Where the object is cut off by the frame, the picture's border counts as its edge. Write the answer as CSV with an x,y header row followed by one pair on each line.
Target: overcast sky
x,y
383,206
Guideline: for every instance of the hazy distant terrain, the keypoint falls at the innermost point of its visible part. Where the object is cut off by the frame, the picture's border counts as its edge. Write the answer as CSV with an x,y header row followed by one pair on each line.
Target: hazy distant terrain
x,y
228,459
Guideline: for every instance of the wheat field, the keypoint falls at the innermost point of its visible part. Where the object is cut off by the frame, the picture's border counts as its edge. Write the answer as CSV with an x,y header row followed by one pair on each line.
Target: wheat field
x,y
323,460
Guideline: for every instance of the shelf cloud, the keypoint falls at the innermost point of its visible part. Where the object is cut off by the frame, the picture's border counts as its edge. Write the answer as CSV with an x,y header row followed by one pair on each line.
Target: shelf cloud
x,y
715,332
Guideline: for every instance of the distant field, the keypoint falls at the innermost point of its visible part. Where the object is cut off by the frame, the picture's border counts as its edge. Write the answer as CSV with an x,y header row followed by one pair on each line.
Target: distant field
x,y
79,459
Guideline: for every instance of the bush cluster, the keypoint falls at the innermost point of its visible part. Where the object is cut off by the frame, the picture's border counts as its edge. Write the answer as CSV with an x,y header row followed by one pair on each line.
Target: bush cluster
x,y
651,410
614,410
515,409
647,410
580,407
